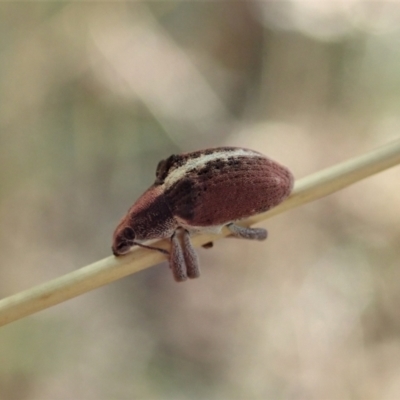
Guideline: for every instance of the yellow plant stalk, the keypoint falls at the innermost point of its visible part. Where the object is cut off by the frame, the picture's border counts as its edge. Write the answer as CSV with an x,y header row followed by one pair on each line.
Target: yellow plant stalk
x,y
110,269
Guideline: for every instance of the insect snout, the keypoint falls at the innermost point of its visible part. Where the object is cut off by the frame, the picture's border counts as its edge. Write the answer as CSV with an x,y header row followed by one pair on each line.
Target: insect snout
x,y
123,241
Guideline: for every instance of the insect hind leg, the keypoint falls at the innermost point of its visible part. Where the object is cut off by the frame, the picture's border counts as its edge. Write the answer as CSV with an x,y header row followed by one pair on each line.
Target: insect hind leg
x,y
247,233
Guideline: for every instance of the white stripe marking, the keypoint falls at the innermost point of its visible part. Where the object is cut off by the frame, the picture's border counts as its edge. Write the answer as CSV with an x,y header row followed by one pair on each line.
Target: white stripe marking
x,y
201,161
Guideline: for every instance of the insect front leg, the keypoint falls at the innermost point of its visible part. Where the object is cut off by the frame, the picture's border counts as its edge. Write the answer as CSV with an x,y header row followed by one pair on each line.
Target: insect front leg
x,y
247,233
177,260
190,255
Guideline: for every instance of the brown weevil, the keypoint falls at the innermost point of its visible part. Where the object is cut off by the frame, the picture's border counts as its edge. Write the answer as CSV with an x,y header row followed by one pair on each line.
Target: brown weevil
x,y
203,191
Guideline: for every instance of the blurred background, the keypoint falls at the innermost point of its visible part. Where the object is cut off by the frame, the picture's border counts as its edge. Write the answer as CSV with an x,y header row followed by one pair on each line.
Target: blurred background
x,y
93,95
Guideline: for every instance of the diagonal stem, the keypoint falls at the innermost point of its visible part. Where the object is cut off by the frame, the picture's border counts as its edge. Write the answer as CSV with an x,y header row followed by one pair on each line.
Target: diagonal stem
x,y
110,269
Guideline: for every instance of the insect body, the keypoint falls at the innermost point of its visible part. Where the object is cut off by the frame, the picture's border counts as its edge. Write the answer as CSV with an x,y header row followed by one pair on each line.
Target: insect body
x,y
203,191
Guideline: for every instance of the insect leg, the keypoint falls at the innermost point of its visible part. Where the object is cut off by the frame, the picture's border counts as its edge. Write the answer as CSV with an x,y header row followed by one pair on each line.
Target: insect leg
x,y
176,260
247,233
190,255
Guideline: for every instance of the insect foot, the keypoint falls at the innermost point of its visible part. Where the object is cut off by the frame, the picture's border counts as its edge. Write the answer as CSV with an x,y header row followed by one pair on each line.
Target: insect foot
x,y
202,191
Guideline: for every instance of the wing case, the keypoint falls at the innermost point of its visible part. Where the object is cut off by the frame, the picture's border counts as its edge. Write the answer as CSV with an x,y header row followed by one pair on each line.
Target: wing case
x,y
228,187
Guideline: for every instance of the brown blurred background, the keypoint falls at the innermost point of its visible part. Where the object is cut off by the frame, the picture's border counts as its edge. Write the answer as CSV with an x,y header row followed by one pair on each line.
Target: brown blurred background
x,y
93,95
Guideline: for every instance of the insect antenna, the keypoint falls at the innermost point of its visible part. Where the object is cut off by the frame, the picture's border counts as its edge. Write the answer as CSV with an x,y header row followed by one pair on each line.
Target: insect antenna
x,y
152,248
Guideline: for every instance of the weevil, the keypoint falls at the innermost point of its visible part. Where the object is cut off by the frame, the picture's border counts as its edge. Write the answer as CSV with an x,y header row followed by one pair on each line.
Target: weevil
x,y
202,191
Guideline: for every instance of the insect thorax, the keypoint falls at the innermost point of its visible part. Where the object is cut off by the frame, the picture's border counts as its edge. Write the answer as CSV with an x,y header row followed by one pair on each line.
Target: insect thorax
x,y
151,218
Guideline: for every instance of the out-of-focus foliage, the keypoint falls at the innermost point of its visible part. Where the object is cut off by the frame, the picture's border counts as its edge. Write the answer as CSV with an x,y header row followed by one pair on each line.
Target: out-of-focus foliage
x,y
93,95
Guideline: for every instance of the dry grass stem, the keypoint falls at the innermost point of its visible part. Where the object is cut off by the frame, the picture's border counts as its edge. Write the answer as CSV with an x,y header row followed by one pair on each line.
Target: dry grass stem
x,y
110,269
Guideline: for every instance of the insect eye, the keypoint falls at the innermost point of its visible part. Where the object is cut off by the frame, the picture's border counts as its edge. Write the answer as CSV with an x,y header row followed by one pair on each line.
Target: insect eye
x,y
129,234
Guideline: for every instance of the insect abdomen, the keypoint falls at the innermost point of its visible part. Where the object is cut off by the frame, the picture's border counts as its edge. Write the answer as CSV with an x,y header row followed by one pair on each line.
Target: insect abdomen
x,y
228,188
